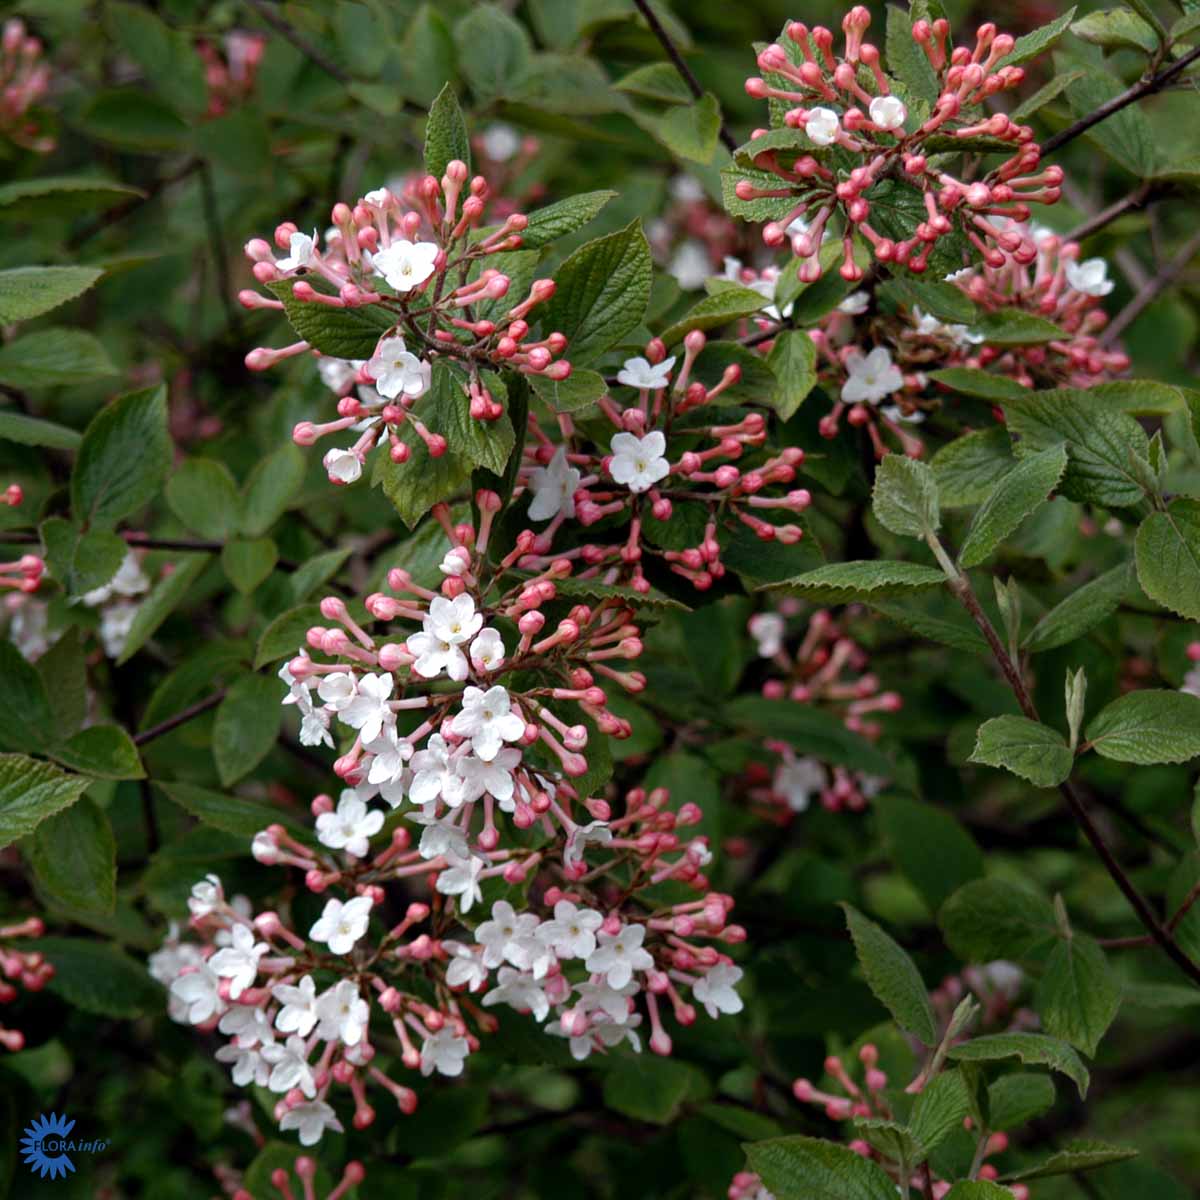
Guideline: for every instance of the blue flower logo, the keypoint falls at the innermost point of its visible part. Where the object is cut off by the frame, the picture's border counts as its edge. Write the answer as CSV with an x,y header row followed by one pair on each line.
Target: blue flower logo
x,y
43,1144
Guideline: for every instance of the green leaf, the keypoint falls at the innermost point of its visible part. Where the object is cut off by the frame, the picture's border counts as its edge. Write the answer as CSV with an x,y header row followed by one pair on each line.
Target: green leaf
x,y
601,293
905,58
557,220
63,669
1032,751
1047,92
247,726
1019,1097
105,751
689,131
990,918
842,583
494,52
54,357
793,359
1038,42
1167,550
906,496
271,488
939,1110
284,637
937,617
803,1168
233,814
317,571
579,390
132,117
98,978
28,720
124,458
81,562
203,495
1126,136
595,590
893,977
74,857
445,134
248,562
936,298
1098,442
1033,1049
1081,611
1024,489
763,208
648,1088
932,850
338,332
720,309
31,791
1078,995
166,595
31,431
1073,1157
1118,28
168,58
1148,727
968,468
1015,327
53,196
27,292
655,81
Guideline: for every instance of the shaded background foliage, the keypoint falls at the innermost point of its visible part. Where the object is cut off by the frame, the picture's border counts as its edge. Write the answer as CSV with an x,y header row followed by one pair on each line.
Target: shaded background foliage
x,y
338,107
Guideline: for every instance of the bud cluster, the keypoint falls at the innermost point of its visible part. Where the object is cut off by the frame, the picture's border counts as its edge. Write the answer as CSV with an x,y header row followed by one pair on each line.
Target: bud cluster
x,y
24,80
230,69
28,968
305,1170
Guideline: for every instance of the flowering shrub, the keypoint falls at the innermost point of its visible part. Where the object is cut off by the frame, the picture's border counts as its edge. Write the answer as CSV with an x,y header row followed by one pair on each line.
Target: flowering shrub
x,y
556,649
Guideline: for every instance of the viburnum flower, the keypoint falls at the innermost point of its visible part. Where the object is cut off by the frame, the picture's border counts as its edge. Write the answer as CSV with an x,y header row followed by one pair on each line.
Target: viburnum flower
x,y
519,990
448,626
641,373
300,251
396,372
618,955
492,777
199,990
798,780
466,968
343,1014
870,377
342,466
248,1064
715,989
406,265
488,720
822,126
310,1121
299,1012
341,925
767,629
350,826
239,962
594,831
500,934
487,650
1089,277
436,774
461,879
368,711
553,488
638,462
445,1052
206,897
572,932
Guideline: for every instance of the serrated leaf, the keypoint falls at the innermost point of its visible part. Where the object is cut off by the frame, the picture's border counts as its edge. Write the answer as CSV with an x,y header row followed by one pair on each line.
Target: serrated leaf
x,y
53,358
339,332
803,1168
1078,996
939,1110
1038,42
271,488
166,595
74,856
54,195
930,848
1019,1097
233,814
1033,1049
246,726
594,590
31,431
80,561
579,390
936,298
1073,1157
32,791
905,496
655,81
99,978
317,571
978,1189
1148,727
906,59
1015,327
1126,135
713,312
601,293
893,977
1032,751
793,359
557,220
1082,610
445,135
972,382
842,583
104,751
1023,490
1047,92
990,918
764,208
27,292
689,131
203,495
1117,28
284,636
1167,551
968,468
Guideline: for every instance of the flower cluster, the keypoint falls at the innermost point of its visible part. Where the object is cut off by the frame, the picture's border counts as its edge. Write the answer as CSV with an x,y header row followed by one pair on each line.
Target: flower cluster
x,y
455,727
117,605
862,152
417,264
830,670
231,69
641,477
29,968
24,80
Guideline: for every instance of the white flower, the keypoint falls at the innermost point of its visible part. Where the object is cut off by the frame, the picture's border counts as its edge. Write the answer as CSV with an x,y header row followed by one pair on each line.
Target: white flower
x,y
448,626
337,689
338,374
498,935
310,1121
1089,277
500,142
641,373
822,127
894,413
314,728
389,752
687,189
289,1061
441,839
248,1023
572,933
341,925
638,462
299,1011
207,896
488,720
436,774
461,879
613,1002
129,580
798,780
378,197
1191,682
397,372
116,620
197,992
343,1013
855,304
350,826
239,962
487,650
930,326
581,835
301,249
368,711
342,466
172,956
870,377
249,1066
519,991
466,967
406,265
554,487
767,629
715,990
618,955
602,1034
444,1052
887,112
690,265
494,777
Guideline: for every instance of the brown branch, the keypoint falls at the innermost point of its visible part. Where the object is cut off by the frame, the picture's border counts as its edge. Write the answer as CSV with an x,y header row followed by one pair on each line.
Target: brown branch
x,y
180,718
1151,290
1105,216
289,33
685,72
217,245
146,542
1183,910
1144,87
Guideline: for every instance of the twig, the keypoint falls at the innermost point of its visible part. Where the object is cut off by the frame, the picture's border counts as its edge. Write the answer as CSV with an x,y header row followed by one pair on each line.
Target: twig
x,y
1144,87
1118,208
685,72
216,237
1150,291
180,718
1183,910
286,31
21,538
